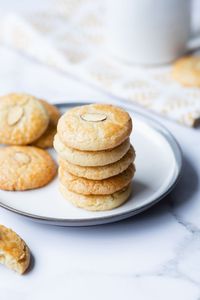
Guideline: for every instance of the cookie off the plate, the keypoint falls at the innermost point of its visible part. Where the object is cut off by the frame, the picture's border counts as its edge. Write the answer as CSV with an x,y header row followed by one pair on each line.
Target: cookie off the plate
x,y
14,253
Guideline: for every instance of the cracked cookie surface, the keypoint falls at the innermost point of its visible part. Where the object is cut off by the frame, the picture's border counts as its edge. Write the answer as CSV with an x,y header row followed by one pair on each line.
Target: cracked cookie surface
x,y
23,119
94,127
25,167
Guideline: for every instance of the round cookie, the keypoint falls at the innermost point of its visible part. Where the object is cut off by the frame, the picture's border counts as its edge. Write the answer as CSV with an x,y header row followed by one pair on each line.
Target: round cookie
x,y
23,119
96,187
25,167
97,202
91,158
15,254
186,71
102,172
46,140
94,127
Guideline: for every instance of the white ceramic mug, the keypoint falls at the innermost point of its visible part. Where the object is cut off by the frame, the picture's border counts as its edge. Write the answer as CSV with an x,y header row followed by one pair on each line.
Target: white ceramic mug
x,y
148,31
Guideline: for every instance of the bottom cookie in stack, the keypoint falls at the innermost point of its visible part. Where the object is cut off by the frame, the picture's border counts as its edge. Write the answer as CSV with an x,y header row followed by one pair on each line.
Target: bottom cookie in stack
x,y
97,202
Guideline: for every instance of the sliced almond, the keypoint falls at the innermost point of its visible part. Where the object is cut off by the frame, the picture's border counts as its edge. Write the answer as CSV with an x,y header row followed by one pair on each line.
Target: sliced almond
x,y
22,158
15,114
93,117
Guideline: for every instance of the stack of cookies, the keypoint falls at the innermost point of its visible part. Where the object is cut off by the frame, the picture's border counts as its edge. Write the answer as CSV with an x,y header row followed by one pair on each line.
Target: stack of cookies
x,y
95,156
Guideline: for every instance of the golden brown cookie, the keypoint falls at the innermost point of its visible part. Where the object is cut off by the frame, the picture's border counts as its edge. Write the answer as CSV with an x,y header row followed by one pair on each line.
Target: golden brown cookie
x,y
46,140
102,172
96,202
94,127
23,119
91,158
186,71
25,167
14,252
96,187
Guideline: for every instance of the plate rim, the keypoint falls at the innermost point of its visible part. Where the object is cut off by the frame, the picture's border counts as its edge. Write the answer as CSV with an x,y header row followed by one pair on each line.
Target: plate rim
x,y
158,127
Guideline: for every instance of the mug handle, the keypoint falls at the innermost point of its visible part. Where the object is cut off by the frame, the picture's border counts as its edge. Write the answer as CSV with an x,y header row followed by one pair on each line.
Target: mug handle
x,y
193,44
194,41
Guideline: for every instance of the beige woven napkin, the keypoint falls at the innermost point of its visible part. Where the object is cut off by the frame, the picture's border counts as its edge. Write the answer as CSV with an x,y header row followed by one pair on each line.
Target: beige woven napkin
x,y
69,36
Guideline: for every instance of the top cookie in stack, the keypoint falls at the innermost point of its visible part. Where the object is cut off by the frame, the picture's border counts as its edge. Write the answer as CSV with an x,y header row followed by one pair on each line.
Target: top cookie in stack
x,y
95,156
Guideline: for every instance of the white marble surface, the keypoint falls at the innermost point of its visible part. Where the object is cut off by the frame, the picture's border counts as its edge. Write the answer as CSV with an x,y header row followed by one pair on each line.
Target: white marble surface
x,y
155,255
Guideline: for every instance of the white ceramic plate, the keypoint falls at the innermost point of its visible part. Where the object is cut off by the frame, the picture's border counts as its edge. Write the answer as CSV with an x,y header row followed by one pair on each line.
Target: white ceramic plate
x,y
158,165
